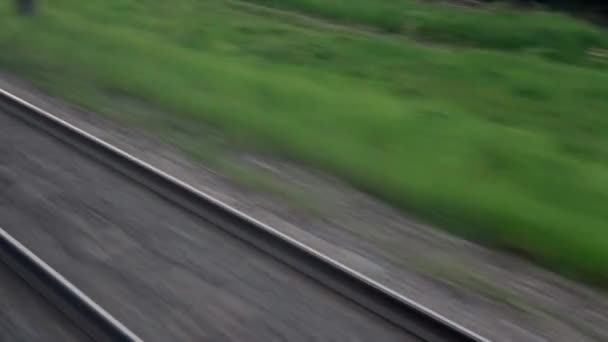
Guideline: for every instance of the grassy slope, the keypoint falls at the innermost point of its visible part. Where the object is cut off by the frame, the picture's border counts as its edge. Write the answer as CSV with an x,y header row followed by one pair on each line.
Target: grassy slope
x,y
500,147
551,35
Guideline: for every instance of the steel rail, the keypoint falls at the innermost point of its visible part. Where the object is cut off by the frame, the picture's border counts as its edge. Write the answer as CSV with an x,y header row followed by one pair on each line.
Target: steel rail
x,y
82,311
396,308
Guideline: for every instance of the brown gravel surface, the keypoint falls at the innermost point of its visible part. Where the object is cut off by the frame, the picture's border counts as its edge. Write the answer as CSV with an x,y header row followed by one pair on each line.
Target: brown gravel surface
x,y
499,296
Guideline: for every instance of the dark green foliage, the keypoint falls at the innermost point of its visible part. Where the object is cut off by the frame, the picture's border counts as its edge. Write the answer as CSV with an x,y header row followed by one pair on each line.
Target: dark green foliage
x,y
26,7
554,36
600,6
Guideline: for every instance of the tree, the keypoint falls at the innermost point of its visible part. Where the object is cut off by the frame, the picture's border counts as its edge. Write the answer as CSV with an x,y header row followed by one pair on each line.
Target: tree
x,y
26,7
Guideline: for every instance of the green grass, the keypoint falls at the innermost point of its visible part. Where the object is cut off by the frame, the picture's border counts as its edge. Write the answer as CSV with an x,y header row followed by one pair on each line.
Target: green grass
x,y
552,35
500,147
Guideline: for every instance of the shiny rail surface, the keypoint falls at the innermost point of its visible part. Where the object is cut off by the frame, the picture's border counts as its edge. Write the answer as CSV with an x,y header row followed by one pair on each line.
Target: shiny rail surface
x,y
85,314
28,316
384,302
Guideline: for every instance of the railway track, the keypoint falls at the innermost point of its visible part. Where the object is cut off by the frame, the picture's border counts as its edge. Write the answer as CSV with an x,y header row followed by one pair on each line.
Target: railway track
x,y
27,316
400,311
85,315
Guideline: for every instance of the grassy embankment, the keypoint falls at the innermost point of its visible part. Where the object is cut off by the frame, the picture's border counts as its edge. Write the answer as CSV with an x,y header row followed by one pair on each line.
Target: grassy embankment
x,y
504,143
551,35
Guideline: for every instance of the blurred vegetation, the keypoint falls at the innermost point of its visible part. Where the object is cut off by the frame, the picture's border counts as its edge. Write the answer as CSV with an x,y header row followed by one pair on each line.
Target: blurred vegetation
x,y
570,5
494,143
25,7
498,26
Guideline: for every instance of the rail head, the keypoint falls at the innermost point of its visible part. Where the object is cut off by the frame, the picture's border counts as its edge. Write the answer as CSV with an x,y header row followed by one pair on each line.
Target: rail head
x,y
382,300
82,311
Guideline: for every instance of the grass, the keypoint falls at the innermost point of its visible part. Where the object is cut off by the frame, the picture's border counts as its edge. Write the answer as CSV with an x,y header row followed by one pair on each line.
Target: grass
x,y
501,147
552,35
